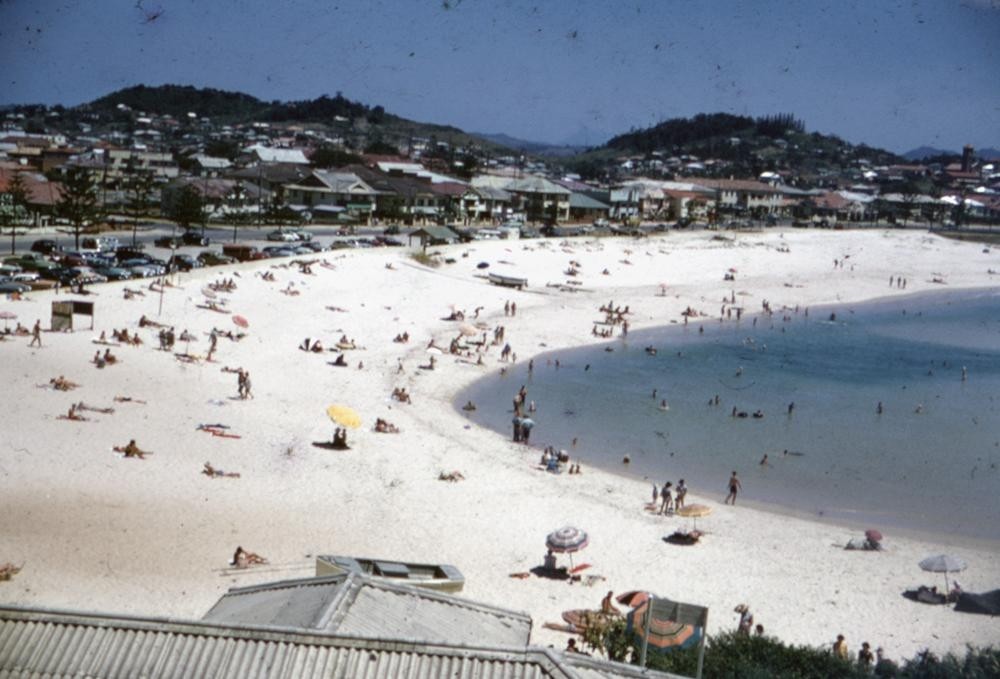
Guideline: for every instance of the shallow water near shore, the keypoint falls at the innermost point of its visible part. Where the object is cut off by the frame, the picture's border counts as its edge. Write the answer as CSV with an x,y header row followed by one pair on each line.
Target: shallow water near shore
x,y
930,462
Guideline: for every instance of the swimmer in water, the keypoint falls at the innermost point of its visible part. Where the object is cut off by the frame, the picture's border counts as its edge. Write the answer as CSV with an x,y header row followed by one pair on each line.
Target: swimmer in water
x,y
663,405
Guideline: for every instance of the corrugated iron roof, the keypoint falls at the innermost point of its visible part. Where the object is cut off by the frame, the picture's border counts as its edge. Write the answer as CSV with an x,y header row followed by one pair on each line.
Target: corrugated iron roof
x,y
356,605
38,643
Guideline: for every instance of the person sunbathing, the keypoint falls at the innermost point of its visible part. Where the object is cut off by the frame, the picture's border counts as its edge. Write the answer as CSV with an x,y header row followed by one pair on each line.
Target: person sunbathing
x,y
452,476
244,559
340,361
400,394
385,427
105,411
212,472
98,360
73,415
109,358
62,384
132,450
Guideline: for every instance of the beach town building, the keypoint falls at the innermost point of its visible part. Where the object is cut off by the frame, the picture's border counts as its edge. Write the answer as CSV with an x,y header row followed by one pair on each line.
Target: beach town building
x,y
744,195
333,194
209,166
258,153
43,195
336,626
120,162
538,198
485,204
222,197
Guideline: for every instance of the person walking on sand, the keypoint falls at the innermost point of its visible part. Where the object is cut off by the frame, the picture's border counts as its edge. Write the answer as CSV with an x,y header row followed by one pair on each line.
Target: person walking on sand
x,y
36,334
734,487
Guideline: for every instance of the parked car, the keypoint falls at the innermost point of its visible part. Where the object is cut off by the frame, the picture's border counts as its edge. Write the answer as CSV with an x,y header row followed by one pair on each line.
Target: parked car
x,y
14,286
53,274
74,258
84,274
24,276
185,262
212,258
242,253
130,252
391,230
314,246
99,243
303,236
278,251
194,238
168,242
114,273
45,246
142,267
283,236
31,261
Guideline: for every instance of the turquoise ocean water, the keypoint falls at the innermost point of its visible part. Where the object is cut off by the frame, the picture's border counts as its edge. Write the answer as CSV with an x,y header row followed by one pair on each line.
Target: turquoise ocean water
x,y
929,462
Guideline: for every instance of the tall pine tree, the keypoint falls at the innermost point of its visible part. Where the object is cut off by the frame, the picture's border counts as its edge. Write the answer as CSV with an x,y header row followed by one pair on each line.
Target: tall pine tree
x,y
79,202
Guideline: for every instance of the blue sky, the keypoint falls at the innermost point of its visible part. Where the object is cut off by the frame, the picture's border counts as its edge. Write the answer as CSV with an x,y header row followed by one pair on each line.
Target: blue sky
x,y
890,74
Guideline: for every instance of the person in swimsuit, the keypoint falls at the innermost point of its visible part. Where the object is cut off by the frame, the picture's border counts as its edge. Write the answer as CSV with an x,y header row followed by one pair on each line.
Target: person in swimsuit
x,y
734,487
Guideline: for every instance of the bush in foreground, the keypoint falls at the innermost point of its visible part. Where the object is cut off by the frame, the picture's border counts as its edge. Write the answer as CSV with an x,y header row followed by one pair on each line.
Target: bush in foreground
x,y
736,656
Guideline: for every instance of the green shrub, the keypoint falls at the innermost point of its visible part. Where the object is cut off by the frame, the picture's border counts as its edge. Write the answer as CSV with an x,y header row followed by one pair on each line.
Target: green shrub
x,y
425,259
977,663
736,656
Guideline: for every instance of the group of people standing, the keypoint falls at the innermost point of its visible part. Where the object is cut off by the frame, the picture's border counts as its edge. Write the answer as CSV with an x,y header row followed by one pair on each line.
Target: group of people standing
x,y
670,499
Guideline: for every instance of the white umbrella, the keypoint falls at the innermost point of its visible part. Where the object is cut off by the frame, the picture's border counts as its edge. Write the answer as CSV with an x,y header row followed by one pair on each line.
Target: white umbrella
x,y
944,563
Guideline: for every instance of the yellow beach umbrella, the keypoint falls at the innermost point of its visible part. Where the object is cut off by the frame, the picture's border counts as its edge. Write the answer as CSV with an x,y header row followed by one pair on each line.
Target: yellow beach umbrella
x,y
694,511
344,416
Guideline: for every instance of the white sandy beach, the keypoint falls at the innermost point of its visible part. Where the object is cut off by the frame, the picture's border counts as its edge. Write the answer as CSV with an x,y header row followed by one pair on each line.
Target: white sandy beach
x,y
153,537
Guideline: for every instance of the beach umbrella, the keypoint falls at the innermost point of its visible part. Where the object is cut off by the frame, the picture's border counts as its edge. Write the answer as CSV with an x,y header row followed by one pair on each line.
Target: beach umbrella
x,y
468,330
632,598
567,540
240,321
694,511
208,292
7,316
943,563
659,633
344,416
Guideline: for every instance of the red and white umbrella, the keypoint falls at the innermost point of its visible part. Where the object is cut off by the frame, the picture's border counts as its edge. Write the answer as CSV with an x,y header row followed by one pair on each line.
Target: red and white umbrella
x,y
7,316
240,321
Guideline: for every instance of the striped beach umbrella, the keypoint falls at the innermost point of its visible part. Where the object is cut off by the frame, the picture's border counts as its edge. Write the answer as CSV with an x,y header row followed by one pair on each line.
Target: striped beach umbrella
x,y
567,540
659,633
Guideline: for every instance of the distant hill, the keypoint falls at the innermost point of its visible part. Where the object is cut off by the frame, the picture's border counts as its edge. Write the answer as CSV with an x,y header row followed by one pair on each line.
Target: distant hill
x,y
739,146
923,152
361,124
179,100
536,148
